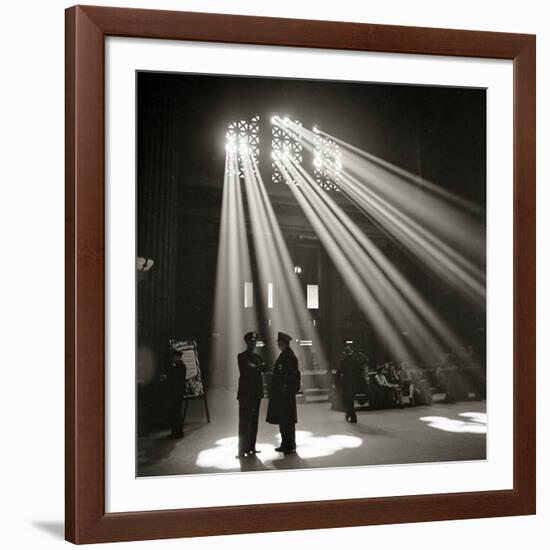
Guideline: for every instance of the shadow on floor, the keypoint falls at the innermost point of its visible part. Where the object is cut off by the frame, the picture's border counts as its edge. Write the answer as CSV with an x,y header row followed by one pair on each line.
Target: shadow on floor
x,y
252,464
364,428
160,446
54,528
151,452
290,462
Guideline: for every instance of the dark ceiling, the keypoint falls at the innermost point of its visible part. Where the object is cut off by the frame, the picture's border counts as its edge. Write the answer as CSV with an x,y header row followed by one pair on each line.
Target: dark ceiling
x,y
438,133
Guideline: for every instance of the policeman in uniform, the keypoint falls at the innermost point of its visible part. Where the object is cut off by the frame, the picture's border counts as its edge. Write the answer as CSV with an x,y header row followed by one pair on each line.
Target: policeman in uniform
x,y
285,384
249,394
347,373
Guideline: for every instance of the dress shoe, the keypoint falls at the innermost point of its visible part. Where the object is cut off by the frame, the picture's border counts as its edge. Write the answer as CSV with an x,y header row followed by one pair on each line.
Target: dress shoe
x,y
254,452
279,449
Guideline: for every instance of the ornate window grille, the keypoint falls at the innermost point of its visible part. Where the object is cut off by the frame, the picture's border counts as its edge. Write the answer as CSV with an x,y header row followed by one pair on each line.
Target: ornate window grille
x,y
242,137
286,145
327,162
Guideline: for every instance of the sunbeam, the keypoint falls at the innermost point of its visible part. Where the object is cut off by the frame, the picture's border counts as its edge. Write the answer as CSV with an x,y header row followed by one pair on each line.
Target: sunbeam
x,y
422,216
288,311
326,231
231,320
378,285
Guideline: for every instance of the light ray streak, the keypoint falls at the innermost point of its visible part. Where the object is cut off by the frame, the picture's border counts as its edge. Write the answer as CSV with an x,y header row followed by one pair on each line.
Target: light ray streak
x,y
435,254
396,286
435,189
290,281
452,219
434,225
289,311
403,304
233,268
389,167
362,291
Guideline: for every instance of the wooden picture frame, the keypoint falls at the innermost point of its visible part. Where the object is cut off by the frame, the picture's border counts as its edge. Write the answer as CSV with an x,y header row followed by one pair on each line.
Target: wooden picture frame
x,y
86,30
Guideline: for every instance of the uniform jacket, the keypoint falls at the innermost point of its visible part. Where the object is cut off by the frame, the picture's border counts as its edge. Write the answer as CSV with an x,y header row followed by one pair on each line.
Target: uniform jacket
x,y
251,386
285,384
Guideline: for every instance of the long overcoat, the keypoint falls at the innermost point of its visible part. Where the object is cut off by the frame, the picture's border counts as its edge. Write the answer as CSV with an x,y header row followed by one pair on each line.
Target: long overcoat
x,y
348,375
285,384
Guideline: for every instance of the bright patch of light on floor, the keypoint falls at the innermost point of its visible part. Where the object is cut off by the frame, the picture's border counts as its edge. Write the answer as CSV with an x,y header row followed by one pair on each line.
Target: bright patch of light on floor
x,y
476,423
310,446
222,456
475,416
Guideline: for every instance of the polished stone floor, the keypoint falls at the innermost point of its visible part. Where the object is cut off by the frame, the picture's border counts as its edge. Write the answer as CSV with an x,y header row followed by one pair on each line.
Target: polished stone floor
x,y
441,432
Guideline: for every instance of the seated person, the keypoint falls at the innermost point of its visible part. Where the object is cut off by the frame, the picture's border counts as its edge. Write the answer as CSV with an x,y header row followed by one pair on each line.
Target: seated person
x,y
422,390
394,378
392,391
406,376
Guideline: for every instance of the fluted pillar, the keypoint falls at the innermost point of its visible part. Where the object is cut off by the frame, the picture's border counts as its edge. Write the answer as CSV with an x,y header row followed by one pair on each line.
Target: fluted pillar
x,y
156,225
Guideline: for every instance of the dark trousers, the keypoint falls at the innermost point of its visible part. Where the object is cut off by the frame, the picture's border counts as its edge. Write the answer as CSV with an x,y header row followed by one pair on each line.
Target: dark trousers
x,y
248,424
349,405
176,418
288,435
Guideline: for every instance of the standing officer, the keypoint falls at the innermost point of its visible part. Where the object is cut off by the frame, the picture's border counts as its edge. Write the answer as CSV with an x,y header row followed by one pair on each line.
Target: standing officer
x,y
285,384
348,378
175,379
249,394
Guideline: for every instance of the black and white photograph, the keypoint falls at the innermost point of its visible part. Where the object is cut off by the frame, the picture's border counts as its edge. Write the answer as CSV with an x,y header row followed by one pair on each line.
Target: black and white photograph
x,y
311,274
